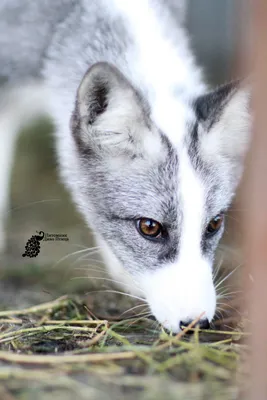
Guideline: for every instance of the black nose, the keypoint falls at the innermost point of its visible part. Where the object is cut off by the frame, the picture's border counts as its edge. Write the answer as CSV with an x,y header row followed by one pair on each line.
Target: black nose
x,y
152,318
202,324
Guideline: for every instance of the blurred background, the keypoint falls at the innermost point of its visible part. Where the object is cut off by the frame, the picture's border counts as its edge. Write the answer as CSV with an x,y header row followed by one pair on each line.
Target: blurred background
x,y
38,201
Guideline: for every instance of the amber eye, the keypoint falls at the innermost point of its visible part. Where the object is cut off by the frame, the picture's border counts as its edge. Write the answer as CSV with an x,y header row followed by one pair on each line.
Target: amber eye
x,y
149,228
214,225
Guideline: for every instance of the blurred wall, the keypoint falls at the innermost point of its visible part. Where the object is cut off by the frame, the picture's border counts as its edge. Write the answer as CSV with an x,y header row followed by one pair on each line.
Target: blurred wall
x,y
212,26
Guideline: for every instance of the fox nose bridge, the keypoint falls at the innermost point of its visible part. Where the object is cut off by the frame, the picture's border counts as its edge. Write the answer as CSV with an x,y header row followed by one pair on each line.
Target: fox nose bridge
x,y
196,294
193,297
179,306
194,281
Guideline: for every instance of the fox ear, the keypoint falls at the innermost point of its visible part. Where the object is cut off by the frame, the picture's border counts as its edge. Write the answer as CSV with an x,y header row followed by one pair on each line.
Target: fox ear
x,y
109,113
225,120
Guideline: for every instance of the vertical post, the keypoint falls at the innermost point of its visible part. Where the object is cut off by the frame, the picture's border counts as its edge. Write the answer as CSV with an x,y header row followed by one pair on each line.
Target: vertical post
x,y
255,201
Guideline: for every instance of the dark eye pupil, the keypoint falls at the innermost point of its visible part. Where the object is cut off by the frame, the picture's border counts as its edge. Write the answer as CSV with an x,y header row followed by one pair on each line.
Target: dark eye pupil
x,y
214,225
150,224
148,227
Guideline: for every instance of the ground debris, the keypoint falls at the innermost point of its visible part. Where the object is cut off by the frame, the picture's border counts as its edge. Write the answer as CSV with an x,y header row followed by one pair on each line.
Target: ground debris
x,y
61,347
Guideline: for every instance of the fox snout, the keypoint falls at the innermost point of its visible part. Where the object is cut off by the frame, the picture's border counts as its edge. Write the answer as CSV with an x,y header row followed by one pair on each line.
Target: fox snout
x,y
176,297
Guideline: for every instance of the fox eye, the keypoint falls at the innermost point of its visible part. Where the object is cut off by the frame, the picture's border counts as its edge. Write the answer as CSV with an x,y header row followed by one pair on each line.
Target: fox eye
x,y
149,228
214,225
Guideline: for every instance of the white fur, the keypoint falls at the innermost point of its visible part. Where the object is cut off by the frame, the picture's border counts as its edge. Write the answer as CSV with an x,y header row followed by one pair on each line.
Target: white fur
x,y
160,51
162,60
183,290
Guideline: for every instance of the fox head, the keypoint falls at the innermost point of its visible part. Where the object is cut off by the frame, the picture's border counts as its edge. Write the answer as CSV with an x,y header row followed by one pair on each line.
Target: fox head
x,y
154,183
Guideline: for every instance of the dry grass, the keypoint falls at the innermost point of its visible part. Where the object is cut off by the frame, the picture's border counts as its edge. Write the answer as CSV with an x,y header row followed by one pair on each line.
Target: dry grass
x,y
59,347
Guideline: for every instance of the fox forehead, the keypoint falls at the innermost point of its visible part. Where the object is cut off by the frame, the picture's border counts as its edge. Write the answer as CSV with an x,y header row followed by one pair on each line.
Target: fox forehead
x,y
174,117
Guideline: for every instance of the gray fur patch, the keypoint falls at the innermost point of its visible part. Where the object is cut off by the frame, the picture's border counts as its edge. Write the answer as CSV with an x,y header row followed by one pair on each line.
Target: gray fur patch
x,y
136,188
217,174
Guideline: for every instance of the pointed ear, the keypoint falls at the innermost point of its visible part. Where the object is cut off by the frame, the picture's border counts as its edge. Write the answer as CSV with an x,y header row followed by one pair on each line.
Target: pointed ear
x,y
109,115
225,121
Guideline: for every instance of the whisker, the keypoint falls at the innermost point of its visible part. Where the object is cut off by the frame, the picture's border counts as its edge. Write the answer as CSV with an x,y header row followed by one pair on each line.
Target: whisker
x,y
225,248
135,317
91,269
219,313
102,278
132,322
228,306
145,314
225,314
134,282
96,260
72,254
91,251
228,294
32,203
232,218
88,266
227,276
80,245
217,269
133,308
117,292
226,289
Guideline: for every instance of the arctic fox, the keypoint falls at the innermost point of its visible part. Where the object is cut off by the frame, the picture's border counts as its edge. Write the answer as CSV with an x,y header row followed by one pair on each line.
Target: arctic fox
x,y
151,157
